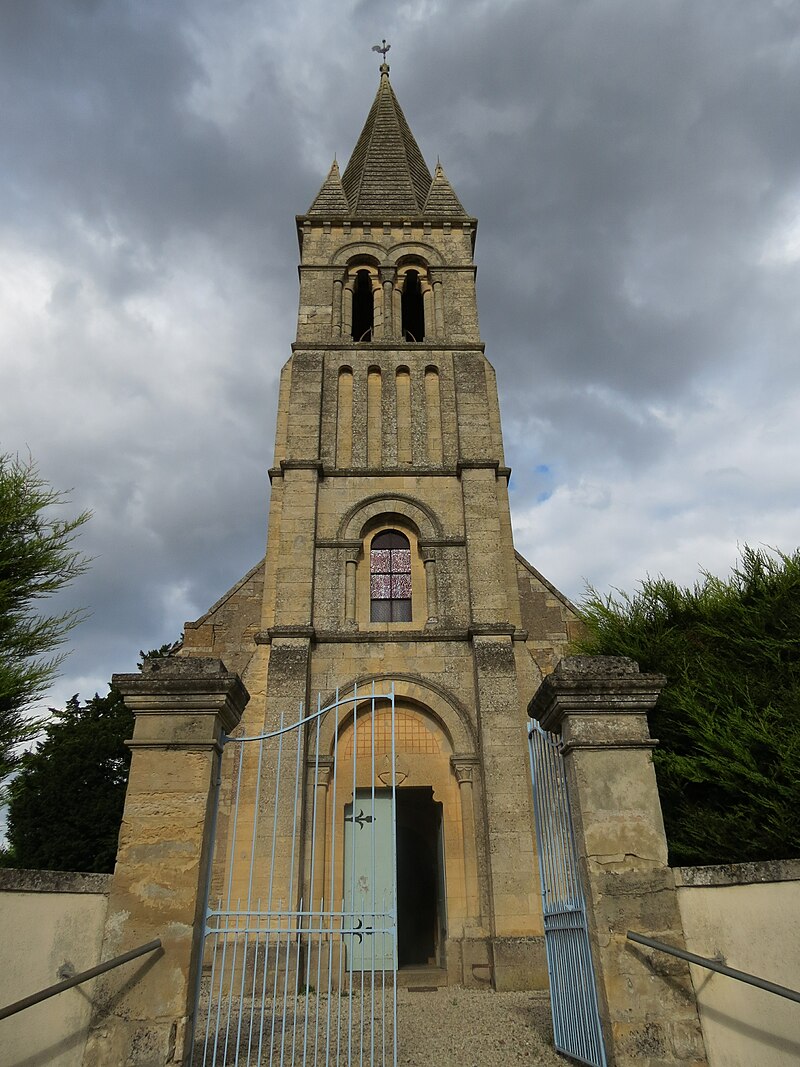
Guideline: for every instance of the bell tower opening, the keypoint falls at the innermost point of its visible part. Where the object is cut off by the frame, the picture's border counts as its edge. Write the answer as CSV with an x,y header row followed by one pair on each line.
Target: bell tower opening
x,y
363,307
412,309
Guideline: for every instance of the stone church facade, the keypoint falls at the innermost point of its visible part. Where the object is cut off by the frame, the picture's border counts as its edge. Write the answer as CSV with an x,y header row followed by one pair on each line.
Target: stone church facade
x,y
390,556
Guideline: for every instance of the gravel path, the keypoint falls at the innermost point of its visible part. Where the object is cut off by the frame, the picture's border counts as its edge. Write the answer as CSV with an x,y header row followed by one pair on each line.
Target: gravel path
x,y
447,1027
475,1028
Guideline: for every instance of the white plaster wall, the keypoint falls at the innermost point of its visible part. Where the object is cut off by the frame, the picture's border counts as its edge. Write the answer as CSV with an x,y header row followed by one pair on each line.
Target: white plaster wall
x,y
40,933
755,926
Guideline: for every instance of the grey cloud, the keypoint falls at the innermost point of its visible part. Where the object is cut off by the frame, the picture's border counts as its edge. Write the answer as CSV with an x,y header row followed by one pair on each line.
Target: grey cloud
x,y
634,167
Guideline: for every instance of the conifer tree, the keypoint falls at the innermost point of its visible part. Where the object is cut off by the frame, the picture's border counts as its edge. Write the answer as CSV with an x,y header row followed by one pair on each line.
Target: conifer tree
x,y
37,558
728,720
66,801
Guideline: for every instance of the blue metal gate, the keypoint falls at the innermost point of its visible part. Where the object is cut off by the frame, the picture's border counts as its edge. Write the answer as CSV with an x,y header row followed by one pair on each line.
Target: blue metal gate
x,y
301,923
573,993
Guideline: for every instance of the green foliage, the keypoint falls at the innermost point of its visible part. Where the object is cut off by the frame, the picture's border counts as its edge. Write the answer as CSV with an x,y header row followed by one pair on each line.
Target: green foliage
x,y
728,720
65,804
37,559
66,801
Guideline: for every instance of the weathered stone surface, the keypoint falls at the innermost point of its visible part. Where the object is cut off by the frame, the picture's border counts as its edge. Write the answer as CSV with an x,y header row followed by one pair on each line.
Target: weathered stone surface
x,y
647,999
142,1012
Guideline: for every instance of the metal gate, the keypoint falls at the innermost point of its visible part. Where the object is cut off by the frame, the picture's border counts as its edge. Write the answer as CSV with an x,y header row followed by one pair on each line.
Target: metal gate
x,y
573,993
300,946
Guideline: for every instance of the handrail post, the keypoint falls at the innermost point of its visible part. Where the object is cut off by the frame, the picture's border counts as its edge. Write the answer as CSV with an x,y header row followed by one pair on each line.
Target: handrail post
x,y
183,707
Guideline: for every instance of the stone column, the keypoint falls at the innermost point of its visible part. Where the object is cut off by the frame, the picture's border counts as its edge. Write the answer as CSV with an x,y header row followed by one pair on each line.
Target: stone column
x,y
464,767
430,319
397,310
599,705
350,591
336,309
438,307
430,589
347,311
389,324
317,809
143,1012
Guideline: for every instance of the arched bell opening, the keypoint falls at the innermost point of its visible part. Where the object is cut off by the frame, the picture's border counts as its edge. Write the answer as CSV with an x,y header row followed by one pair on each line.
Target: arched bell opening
x,y
412,308
363,307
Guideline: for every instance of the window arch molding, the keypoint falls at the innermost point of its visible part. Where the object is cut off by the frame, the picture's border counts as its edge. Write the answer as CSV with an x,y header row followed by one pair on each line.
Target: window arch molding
x,y
443,707
421,518
387,257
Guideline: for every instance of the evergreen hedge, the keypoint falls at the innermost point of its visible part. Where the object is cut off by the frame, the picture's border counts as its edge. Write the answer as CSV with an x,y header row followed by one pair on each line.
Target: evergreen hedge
x,y
728,720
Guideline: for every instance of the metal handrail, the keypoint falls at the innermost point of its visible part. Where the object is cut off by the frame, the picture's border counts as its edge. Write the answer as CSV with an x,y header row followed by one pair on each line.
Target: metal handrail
x,y
720,968
83,976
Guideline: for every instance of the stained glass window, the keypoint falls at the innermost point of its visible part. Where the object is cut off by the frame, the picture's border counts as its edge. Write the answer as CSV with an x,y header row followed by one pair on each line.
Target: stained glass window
x,y
390,578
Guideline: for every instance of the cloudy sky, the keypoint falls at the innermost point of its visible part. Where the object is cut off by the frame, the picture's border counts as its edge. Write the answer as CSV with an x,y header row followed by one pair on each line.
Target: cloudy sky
x,y
635,167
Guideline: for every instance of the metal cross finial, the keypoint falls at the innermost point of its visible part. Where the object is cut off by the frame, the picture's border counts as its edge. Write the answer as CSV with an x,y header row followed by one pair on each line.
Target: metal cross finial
x,y
383,48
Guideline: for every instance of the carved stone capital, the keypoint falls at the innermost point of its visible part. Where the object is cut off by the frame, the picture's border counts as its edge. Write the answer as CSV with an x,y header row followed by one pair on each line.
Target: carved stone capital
x,y
464,768
319,770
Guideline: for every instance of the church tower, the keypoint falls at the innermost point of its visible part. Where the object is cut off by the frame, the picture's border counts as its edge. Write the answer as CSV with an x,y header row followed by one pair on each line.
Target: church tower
x,y
390,556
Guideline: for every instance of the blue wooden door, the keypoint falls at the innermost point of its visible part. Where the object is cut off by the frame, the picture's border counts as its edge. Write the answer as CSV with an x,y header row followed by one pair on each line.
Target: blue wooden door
x,y
369,882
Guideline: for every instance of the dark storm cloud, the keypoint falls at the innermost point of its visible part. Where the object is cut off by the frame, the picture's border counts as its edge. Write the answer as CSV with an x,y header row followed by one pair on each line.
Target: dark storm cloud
x,y
635,170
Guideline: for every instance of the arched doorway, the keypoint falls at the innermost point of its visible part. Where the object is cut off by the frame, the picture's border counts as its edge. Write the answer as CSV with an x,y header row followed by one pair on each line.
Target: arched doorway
x,y
416,839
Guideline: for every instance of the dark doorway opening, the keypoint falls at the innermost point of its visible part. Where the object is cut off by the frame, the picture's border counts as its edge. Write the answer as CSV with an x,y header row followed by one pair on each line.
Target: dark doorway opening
x,y
420,878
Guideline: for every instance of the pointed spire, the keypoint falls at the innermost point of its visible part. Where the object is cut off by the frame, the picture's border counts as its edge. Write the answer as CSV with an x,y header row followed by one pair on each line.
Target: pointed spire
x,y
331,200
441,199
387,175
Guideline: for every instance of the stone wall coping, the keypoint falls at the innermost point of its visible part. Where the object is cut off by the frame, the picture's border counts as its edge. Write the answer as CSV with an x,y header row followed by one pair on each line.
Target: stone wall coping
x,y
25,881
727,874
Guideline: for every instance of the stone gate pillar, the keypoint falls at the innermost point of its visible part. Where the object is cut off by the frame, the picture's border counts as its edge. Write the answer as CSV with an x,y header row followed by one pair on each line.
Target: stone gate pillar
x,y
599,705
142,1013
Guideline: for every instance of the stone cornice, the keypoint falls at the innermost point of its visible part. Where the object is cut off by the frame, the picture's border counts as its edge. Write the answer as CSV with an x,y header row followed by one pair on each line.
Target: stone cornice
x,y
388,346
492,629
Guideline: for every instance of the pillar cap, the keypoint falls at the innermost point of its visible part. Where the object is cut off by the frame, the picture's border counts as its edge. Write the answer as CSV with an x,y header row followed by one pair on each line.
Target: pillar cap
x,y
594,685
193,684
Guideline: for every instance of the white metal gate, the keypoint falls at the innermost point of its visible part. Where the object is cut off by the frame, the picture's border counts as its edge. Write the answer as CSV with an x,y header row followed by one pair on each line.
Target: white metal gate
x,y
573,993
300,947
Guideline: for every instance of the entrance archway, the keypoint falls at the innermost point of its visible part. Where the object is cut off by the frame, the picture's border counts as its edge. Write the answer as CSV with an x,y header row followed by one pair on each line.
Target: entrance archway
x,y
433,850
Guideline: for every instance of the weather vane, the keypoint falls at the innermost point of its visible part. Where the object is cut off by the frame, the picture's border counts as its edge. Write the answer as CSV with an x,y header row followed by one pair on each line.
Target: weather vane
x,y
383,48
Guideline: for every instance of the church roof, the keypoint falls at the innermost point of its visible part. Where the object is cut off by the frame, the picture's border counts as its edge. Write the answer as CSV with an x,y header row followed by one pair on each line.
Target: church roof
x,y
387,176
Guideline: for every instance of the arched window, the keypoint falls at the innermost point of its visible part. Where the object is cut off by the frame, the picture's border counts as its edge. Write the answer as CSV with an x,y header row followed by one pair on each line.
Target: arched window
x,y
390,578
363,307
411,306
